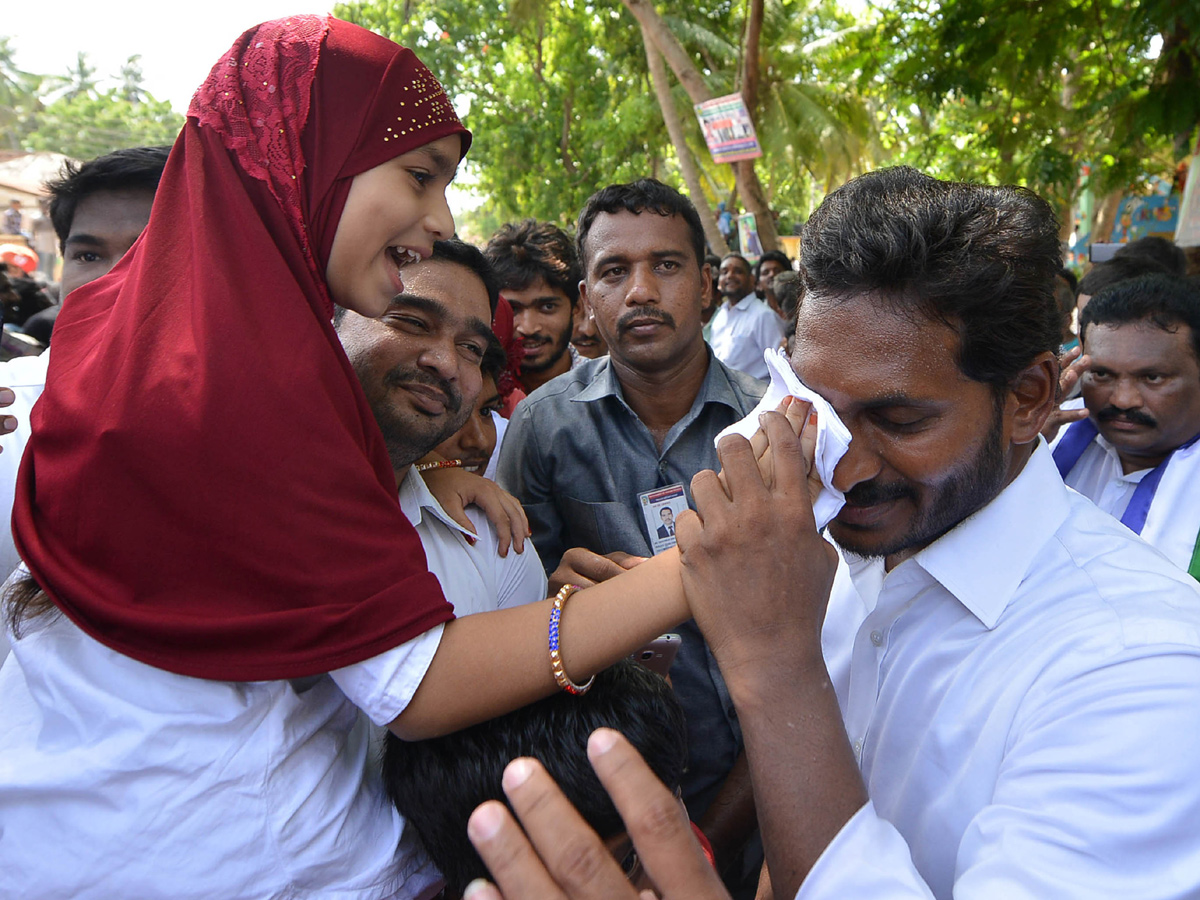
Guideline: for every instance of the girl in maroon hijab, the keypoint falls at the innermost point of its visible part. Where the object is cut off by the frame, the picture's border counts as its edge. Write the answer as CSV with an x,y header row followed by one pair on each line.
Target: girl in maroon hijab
x,y
208,502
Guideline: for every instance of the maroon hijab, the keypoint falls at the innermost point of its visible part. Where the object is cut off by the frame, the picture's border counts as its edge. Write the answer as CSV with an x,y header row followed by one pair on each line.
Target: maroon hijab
x,y
205,489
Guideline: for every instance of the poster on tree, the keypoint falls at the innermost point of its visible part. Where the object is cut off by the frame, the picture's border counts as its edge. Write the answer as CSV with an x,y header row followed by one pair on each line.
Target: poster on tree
x,y
727,128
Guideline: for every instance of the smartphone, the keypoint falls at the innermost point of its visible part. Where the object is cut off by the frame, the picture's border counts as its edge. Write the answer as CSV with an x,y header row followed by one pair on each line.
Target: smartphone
x,y
1098,253
658,655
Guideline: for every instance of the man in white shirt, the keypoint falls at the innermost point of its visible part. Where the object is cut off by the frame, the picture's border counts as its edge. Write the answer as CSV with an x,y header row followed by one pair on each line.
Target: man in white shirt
x,y
1137,455
991,689
744,326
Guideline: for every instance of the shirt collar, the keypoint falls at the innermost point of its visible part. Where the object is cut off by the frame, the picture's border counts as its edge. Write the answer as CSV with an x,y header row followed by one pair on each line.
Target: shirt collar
x,y
416,498
714,389
983,560
745,302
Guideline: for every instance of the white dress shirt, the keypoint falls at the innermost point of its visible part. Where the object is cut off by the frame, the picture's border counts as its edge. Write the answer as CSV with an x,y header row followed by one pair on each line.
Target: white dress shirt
x,y
26,375
1173,522
741,332
1023,697
118,779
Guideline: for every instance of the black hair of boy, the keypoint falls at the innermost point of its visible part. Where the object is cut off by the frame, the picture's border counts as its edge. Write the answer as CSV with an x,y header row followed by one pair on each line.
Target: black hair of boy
x,y
436,784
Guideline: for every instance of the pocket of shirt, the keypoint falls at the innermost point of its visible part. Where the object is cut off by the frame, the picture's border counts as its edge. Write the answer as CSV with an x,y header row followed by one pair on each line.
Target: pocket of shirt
x,y
603,527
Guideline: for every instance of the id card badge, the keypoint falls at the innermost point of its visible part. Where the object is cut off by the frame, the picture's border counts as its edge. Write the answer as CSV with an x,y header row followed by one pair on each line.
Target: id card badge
x,y
659,508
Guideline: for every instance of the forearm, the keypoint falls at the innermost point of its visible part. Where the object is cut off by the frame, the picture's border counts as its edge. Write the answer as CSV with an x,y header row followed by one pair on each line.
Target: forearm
x,y
491,663
806,779
730,819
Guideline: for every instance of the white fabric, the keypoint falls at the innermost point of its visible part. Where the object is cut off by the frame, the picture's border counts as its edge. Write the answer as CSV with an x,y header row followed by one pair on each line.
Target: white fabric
x,y
121,780
833,437
741,332
1174,518
26,375
1023,697
501,427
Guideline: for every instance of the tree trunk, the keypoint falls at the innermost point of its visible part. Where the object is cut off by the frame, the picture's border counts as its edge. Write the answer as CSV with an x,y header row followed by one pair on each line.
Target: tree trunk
x,y
744,173
1104,217
687,165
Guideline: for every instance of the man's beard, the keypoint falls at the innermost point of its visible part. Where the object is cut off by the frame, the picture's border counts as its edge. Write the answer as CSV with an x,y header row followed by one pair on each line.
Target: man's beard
x,y
560,347
408,438
965,490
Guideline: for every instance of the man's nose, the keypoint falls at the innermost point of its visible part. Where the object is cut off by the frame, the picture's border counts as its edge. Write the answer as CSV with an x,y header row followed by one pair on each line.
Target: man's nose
x,y
440,357
523,322
1125,395
861,463
472,436
643,287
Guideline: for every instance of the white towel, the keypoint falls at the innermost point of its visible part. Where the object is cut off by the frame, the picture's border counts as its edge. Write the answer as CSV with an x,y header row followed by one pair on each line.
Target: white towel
x,y
833,437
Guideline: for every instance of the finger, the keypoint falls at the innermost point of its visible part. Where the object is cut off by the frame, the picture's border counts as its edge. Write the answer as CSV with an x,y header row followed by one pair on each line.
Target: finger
x,y
1072,415
493,507
654,818
708,491
7,396
593,566
1070,356
797,414
789,469
738,465
519,521
758,440
8,424
573,853
479,889
509,856
625,560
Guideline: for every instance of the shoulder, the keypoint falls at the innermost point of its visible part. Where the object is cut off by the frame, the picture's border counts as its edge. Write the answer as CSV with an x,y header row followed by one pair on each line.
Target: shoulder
x,y
748,389
558,392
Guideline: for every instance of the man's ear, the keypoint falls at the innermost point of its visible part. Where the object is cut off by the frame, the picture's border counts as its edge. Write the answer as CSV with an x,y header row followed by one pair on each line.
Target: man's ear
x,y
706,281
1032,396
583,307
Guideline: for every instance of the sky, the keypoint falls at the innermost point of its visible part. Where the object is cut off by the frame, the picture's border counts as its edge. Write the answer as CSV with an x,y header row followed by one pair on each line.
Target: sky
x,y
178,42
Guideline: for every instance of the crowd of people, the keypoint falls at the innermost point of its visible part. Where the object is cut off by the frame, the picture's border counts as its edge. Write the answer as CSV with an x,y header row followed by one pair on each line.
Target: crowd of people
x,y
332,535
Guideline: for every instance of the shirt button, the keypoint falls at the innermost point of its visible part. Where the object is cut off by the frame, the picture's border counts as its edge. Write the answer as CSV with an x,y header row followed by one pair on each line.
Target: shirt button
x,y
858,748
877,638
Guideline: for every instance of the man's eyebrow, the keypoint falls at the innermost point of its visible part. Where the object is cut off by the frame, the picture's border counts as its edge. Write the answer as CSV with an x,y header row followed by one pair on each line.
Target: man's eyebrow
x,y
88,240
893,400
669,253
439,310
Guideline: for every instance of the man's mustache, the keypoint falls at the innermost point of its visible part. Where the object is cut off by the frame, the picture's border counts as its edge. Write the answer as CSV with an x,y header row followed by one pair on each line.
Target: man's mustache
x,y
1136,416
399,377
871,493
641,315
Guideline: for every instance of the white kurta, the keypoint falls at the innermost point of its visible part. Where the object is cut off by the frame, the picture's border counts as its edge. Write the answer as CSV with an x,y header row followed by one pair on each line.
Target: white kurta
x,y
1023,697
741,332
121,780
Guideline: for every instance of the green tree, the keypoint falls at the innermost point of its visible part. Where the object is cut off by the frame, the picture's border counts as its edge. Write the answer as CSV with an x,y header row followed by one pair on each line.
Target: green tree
x,y
91,124
19,101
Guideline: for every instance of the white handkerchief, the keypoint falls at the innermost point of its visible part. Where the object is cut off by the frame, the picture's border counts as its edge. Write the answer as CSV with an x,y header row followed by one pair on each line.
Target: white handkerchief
x,y
833,437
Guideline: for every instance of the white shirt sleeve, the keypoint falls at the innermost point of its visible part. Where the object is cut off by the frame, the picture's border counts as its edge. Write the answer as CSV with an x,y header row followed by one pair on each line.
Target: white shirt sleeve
x,y
383,685
1097,797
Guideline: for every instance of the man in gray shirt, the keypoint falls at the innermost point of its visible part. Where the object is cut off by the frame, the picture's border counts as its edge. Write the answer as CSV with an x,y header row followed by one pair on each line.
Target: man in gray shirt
x,y
595,454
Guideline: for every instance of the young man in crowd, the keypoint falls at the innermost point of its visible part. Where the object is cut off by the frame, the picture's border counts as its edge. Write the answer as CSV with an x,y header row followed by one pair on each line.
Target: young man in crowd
x,y
1137,454
997,695
539,277
744,326
770,264
586,454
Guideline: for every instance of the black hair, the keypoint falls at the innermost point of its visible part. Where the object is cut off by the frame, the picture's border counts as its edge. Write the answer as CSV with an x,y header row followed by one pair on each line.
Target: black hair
x,y
131,169
713,260
789,291
979,258
773,256
1165,301
1069,277
494,360
1156,249
637,197
471,257
524,252
1101,275
733,254
436,784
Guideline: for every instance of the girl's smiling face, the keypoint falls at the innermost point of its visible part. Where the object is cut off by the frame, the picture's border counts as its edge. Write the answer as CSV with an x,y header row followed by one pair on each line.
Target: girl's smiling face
x,y
393,214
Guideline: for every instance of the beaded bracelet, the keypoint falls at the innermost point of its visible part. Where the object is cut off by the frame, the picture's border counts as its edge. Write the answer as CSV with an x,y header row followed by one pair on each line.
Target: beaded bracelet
x,y
556,663
442,464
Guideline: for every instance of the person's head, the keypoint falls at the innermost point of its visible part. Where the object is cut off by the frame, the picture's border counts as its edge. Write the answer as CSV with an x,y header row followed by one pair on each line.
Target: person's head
x,y
539,277
644,276
475,442
585,338
713,299
1158,250
14,203
1142,387
667,515
1101,275
929,323
770,264
436,784
99,209
420,363
736,278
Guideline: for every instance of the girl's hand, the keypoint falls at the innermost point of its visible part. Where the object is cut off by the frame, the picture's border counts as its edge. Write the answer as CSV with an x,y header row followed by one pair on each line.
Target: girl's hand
x,y
455,490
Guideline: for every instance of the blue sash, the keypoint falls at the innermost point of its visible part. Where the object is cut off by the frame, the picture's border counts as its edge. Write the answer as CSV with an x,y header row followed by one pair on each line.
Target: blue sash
x,y
1076,440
